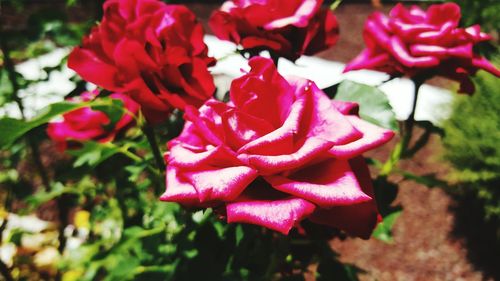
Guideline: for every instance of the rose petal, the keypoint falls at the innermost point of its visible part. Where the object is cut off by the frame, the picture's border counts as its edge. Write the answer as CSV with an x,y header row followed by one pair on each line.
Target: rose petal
x,y
268,164
399,51
301,17
181,155
220,184
357,219
484,64
327,184
280,215
92,69
373,136
324,120
179,190
241,128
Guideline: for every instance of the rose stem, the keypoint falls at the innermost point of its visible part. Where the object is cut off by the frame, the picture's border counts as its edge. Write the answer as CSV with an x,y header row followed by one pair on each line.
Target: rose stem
x,y
410,122
401,150
275,58
9,67
150,135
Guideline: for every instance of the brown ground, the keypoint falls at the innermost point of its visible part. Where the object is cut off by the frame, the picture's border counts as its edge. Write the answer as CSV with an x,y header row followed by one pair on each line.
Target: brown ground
x,y
429,242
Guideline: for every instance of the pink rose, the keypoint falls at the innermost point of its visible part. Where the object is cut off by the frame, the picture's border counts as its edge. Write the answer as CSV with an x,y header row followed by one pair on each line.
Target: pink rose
x,y
150,51
86,124
278,152
414,42
286,28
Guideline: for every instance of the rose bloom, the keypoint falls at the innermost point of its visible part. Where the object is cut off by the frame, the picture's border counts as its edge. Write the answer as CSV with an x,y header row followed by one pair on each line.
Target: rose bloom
x,y
286,28
86,124
151,51
278,152
414,42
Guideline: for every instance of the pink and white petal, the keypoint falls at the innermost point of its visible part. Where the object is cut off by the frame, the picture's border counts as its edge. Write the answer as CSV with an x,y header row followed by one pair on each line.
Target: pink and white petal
x,y
181,155
324,120
311,149
373,136
367,60
193,115
400,52
327,184
280,215
301,18
358,219
281,140
346,107
240,128
220,184
484,64
178,190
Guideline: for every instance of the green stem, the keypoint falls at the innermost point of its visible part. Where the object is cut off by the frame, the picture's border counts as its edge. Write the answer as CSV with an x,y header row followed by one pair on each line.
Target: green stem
x,y
135,158
150,135
406,131
410,122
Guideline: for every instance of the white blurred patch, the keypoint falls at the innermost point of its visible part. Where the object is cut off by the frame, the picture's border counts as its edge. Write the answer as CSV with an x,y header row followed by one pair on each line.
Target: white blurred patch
x,y
433,104
39,95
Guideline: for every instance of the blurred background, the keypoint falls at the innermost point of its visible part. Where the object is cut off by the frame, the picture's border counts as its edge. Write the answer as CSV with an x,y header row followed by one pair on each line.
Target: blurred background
x,y
449,229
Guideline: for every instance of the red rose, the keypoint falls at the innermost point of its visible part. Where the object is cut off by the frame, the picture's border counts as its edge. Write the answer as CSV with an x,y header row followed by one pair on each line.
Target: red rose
x,y
151,51
415,42
86,124
278,152
288,28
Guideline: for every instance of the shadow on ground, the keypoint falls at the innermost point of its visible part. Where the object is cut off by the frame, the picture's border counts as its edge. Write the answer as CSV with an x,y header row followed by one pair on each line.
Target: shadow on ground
x,y
481,238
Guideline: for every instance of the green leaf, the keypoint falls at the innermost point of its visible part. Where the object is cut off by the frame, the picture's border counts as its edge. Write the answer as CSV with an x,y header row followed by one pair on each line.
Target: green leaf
x,y
93,153
239,234
429,180
383,231
374,105
335,5
12,129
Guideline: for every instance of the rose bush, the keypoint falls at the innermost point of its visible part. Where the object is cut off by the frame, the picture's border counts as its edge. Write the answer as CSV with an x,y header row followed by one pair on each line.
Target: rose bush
x,y
279,152
150,51
415,42
286,28
85,124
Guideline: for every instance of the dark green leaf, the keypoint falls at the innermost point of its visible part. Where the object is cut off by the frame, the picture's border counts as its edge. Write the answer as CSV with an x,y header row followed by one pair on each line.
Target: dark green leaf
x,y
330,268
429,180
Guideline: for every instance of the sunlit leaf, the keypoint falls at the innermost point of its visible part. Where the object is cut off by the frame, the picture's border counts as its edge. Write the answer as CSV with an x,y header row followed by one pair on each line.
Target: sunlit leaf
x,y
373,103
383,231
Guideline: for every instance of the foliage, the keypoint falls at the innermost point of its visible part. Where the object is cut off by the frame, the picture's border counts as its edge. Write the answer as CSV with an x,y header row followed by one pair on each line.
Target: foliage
x,y
485,13
472,142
